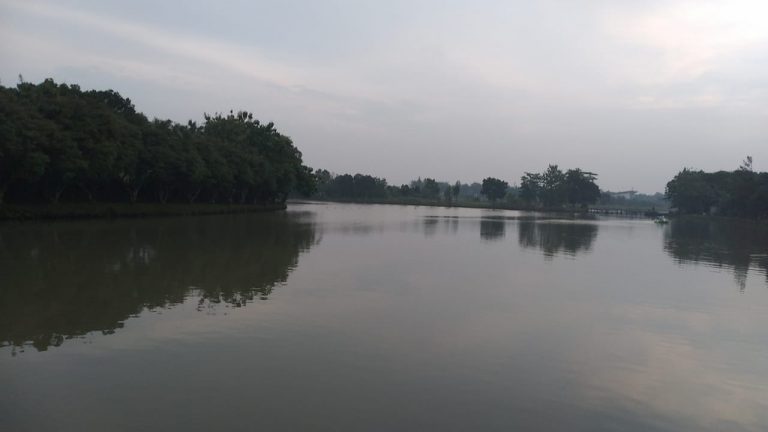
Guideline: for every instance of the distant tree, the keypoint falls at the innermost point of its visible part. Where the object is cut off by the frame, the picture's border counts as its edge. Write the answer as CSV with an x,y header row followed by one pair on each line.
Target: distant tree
x,y
531,185
494,189
323,179
306,182
430,188
690,192
746,165
448,196
553,192
456,189
580,187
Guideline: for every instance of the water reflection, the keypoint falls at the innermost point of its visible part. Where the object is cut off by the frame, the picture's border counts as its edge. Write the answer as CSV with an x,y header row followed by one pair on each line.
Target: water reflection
x,y
63,280
401,327
556,237
492,229
737,245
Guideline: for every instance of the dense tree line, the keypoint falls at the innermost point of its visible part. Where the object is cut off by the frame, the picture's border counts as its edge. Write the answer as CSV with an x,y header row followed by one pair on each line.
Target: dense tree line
x,y
551,189
367,187
742,192
58,142
347,186
554,188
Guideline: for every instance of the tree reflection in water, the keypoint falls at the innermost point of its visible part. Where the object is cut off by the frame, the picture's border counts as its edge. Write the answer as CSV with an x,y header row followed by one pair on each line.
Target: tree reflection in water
x,y
63,280
492,228
554,237
738,245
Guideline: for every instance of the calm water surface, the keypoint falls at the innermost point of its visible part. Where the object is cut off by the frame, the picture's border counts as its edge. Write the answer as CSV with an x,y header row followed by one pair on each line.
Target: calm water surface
x,y
381,318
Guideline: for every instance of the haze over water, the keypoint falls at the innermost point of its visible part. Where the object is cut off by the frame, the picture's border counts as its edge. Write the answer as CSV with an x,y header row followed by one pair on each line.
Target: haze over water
x,y
368,317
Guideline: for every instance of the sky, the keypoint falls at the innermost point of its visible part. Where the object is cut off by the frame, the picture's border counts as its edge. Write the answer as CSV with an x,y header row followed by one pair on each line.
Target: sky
x,y
455,90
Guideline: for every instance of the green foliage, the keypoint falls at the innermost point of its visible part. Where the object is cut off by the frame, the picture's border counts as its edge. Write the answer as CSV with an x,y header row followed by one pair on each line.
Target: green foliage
x,y
530,187
456,189
430,188
494,189
58,142
580,187
574,187
553,188
742,192
346,186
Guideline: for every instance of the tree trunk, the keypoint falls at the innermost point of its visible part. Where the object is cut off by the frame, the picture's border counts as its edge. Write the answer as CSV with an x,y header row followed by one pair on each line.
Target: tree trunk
x,y
162,195
213,197
243,195
192,196
3,188
231,197
57,194
133,192
87,193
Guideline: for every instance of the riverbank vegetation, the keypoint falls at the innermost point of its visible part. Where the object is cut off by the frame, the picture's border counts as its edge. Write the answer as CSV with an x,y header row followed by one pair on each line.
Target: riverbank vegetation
x,y
552,189
740,193
92,154
61,144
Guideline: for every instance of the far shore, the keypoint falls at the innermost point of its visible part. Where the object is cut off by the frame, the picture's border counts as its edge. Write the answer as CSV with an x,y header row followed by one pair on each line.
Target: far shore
x,y
68,211
490,206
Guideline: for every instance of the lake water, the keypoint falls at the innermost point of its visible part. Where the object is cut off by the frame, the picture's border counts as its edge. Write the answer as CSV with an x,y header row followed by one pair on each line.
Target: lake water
x,y
345,317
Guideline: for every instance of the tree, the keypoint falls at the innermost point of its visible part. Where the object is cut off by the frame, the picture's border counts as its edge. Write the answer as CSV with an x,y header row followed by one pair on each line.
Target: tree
x,y
54,136
746,165
553,191
690,192
531,185
448,196
306,182
430,188
494,189
580,187
456,189
21,153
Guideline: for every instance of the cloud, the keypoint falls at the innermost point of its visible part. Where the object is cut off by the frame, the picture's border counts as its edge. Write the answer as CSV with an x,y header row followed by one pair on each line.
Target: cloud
x,y
224,55
358,85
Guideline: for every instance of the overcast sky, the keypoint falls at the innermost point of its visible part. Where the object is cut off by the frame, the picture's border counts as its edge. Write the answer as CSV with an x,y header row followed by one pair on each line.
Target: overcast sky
x,y
632,90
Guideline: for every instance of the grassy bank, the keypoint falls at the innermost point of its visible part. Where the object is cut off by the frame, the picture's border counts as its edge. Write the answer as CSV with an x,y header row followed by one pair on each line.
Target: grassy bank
x,y
122,210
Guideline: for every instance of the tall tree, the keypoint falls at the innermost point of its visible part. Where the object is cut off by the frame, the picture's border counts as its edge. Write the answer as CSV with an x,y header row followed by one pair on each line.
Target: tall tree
x,y
494,189
580,187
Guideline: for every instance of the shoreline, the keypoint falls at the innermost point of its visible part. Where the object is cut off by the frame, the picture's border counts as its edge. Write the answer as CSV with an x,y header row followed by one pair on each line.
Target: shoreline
x,y
66,211
482,205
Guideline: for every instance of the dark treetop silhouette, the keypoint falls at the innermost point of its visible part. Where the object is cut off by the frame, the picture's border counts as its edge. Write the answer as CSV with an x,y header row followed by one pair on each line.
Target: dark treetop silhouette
x,y
60,143
742,192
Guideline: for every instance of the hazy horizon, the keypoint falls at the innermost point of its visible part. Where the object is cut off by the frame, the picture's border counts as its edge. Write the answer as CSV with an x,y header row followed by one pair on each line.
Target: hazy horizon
x,y
450,90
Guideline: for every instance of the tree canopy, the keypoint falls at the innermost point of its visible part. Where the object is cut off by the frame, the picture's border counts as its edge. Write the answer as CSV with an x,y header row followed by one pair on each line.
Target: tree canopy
x,y
494,189
554,188
742,192
58,142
